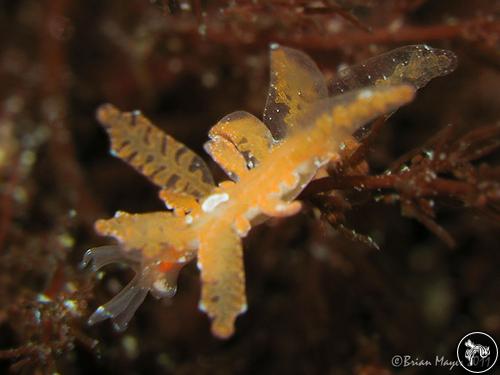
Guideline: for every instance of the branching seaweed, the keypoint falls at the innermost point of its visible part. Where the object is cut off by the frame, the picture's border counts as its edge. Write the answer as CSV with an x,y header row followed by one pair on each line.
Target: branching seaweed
x,y
48,324
442,170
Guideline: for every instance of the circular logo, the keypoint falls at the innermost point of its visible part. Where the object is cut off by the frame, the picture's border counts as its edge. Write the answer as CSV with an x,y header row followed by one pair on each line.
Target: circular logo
x,y
477,352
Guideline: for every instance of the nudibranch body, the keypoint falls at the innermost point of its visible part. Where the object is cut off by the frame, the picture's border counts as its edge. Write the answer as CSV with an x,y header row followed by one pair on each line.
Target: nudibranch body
x,y
269,164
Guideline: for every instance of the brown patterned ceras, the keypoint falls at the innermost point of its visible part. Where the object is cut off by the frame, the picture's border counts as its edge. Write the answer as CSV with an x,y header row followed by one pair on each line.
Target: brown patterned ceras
x,y
143,152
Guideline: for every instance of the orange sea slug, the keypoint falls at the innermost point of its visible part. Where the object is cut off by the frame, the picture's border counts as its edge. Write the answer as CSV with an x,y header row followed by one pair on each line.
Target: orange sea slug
x,y
269,163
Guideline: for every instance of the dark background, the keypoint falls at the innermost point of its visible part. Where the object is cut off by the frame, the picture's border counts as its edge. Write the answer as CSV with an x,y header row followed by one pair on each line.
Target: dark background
x,y
319,302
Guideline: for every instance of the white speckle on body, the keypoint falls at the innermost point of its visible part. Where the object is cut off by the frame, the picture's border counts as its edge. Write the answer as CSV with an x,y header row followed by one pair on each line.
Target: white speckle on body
x,y
213,201
189,219
280,207
303,168
161,286
285,187
252,213
319,162
244,308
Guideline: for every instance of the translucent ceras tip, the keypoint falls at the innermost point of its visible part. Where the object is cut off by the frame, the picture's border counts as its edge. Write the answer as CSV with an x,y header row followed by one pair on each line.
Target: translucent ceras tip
x,y
104,255
122,307
448,60
99,315
87,259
